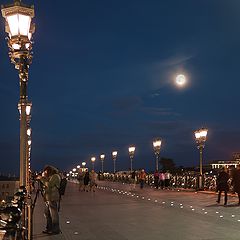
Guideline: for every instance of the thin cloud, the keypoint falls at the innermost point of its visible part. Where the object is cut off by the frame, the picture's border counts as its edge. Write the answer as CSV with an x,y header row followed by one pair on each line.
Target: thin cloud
x,y
160,111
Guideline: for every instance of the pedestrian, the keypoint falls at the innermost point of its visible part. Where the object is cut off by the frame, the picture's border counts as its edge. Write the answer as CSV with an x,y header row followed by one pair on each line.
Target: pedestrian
x,y
167,179
51,184
142,178
86,181
156,179
236,182
93,180
162,180
222,184
80,179
133,180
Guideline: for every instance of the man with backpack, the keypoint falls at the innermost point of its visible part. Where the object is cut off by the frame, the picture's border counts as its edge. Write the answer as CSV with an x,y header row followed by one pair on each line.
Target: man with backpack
x,y
51,184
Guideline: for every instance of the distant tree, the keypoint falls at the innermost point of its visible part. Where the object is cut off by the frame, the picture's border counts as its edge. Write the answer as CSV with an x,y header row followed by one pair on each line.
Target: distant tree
x,y
167,164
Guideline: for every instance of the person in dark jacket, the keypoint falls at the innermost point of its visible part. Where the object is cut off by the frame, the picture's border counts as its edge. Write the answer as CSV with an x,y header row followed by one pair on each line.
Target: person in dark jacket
x,y
222,184
236,182
156,179
86,181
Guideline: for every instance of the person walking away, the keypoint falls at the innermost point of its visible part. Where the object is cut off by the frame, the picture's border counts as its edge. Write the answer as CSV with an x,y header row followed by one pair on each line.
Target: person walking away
x,y
86,181
167,179
93,180
142,178
80,179
222,185
133,180
156,179
51,184
162,180
236,182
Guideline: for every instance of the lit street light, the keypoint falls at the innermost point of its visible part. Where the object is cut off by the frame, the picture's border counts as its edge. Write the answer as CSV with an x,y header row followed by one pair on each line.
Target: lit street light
x,y
93,159
157,147
19,27
114,157
201,137
102,158
131,151
83,165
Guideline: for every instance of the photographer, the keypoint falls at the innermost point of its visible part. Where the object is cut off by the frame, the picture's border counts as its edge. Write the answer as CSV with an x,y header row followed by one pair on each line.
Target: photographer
x,y
51,183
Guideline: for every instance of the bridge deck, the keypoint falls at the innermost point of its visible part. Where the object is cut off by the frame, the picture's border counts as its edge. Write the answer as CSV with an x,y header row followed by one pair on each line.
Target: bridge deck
x,y
143,214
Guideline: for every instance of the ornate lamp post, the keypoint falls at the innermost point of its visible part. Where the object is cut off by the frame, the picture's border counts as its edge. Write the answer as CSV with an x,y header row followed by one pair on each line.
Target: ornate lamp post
x,y
157,147
20,28
201,137
114,157
102,158
131,151
93,159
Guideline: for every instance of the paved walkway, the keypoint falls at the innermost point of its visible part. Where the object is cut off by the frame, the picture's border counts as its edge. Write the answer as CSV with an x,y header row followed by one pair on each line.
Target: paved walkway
x,y
113,213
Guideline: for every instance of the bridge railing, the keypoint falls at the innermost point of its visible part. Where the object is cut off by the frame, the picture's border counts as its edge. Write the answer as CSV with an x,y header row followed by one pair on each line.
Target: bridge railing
x,y
185,180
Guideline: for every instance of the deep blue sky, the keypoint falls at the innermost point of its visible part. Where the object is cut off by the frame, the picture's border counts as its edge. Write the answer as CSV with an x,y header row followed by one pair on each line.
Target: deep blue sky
x,y
102,78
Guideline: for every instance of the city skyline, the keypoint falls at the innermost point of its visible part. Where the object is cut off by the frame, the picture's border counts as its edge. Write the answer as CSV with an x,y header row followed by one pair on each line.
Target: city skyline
x,y
103,78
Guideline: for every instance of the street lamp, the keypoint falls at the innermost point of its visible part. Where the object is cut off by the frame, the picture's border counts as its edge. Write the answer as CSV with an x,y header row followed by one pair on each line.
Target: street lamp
x,y
84,164
19,27
157,147
74,172
201,137
93,159
114,157
131,151
102,157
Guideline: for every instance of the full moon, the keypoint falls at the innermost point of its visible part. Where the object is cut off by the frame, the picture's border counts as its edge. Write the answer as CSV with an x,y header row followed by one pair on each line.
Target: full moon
x,y
180,80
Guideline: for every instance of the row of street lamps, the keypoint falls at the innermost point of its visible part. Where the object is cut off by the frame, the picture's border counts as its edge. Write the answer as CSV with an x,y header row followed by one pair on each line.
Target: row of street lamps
x,y
131,150
200,138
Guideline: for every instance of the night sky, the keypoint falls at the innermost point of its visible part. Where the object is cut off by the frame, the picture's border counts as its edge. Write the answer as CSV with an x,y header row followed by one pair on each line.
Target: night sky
x,y
103,75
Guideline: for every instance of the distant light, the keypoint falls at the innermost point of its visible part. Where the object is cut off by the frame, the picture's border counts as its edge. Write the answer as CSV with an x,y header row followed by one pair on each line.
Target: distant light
x,y
181,80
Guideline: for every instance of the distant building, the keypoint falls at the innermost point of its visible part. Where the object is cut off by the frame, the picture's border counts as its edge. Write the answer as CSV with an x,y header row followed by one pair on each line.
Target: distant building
x,y
227,163
8,186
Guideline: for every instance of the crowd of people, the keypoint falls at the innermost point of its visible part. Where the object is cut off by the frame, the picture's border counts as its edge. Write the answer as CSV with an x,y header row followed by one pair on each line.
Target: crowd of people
x,y
87,180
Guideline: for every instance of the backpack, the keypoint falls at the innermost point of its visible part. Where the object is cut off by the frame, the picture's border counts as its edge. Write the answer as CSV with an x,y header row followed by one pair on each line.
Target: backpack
x,y
62,188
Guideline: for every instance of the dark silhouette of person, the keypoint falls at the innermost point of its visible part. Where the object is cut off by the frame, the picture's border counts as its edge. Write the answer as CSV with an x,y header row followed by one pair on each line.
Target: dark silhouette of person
x,y
236,182
222,184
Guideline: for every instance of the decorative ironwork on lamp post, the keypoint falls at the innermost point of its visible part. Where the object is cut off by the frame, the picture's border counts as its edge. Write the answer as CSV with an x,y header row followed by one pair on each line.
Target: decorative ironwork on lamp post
x,y
28,138
131,151
102,158
157,147
114,157
20,28
201,137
